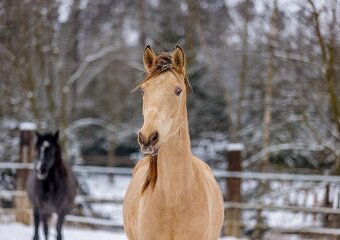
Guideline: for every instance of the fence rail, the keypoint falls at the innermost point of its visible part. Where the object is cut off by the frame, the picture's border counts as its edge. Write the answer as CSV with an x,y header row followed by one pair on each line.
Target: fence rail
x,y
217,173
289,208
247,206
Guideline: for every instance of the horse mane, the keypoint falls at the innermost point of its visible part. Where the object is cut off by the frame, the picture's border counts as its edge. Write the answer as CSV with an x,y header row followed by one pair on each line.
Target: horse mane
x,y
59,161
163,63
151,176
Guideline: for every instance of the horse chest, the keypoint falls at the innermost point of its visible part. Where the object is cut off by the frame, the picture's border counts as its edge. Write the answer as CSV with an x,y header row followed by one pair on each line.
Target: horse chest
x,y
159,217
50,195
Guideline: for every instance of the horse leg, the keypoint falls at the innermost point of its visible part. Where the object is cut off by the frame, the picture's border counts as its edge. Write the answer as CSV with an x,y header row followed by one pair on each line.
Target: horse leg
x,y
45,225
36,224
60,222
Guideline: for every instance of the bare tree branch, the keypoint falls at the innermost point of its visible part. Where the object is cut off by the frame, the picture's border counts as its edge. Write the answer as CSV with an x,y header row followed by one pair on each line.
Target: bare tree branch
x,y
281,147
89,59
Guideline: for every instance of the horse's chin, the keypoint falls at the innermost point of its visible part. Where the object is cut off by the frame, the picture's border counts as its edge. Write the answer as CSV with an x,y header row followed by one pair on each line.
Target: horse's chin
x,y
41,176
152,152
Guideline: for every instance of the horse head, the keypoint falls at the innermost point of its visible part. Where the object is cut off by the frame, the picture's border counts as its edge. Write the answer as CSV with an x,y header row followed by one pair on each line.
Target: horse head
x,y
48,152
164,98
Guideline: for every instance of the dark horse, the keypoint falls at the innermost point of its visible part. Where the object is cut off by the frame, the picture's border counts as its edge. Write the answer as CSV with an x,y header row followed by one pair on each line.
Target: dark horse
x,y
51,186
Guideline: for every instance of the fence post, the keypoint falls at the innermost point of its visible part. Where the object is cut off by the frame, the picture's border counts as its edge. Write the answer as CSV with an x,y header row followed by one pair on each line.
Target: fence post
x,y
111,157
233,215
27,137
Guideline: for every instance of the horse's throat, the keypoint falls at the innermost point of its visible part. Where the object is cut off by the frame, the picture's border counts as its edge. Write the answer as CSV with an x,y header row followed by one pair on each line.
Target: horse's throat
x,y
174,163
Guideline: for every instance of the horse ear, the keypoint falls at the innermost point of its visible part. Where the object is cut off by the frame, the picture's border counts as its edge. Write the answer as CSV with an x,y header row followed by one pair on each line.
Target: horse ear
x,y
56,136
37,134
149,58
178,59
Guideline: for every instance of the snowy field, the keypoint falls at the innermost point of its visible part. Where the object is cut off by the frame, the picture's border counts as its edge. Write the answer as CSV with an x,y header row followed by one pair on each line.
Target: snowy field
x,y
17,231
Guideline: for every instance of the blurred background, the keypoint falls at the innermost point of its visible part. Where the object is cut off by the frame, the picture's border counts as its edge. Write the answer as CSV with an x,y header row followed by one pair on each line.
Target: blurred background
x,y
265,74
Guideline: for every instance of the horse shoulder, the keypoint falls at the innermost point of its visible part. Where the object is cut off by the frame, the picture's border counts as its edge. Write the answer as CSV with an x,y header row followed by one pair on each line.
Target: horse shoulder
x,y
132,198
31,186
140,164
138,177
214,196
206,174
205,182
72,181
203,168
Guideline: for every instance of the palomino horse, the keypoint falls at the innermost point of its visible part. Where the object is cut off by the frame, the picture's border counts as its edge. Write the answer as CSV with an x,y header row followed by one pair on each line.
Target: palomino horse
x,y
173,194
51,186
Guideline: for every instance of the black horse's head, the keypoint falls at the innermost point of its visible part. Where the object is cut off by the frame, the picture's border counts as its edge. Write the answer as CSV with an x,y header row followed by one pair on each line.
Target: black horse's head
x,y
48,152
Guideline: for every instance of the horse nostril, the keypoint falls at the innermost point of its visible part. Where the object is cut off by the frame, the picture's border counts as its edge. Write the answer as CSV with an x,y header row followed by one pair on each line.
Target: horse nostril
x,y
154,138
140,139
43,168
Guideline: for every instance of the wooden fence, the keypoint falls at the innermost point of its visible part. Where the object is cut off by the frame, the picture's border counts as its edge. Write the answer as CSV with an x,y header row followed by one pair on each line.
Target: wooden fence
x,y
221,176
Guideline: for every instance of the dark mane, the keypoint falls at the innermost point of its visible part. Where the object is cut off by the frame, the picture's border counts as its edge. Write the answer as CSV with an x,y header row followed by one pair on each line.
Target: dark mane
x,y
59,161
151,177
163,64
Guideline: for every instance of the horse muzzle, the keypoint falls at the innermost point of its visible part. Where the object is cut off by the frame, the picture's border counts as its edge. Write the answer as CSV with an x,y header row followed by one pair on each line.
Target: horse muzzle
x,y
148,144
41,176
41,171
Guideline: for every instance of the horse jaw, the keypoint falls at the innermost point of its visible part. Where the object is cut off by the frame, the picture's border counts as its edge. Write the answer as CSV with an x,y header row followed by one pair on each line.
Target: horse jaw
x,y
41,176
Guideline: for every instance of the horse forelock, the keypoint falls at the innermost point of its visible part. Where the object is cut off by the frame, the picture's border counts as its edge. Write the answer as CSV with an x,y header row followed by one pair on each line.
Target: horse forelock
x,y
163,63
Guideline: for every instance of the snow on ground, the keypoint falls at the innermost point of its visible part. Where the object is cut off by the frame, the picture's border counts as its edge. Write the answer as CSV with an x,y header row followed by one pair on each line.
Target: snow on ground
x,y
15,231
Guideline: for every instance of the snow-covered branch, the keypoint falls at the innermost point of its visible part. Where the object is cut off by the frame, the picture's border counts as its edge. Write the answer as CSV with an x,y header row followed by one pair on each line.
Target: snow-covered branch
x,y
92,75
291,56
90,121
282,147
89,59
7,52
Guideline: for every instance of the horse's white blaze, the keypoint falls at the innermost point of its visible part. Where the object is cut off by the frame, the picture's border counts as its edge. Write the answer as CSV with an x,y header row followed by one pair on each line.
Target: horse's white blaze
x,y
38,165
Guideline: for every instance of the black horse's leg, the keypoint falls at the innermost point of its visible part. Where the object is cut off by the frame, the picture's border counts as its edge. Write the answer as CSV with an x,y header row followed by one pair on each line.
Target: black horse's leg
x,y
61,217
45,225
36,224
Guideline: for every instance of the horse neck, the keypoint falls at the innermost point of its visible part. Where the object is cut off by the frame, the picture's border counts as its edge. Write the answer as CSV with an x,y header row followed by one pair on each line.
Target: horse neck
x,y
174,163
59,166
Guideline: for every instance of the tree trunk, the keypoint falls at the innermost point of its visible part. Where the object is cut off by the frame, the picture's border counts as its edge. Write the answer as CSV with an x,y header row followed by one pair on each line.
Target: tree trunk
x,y
243,72
328,55
268,86
141,11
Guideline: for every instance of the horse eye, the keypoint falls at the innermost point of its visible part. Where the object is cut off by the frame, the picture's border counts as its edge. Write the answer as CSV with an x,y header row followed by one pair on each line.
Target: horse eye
x,y
141,90
178,91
